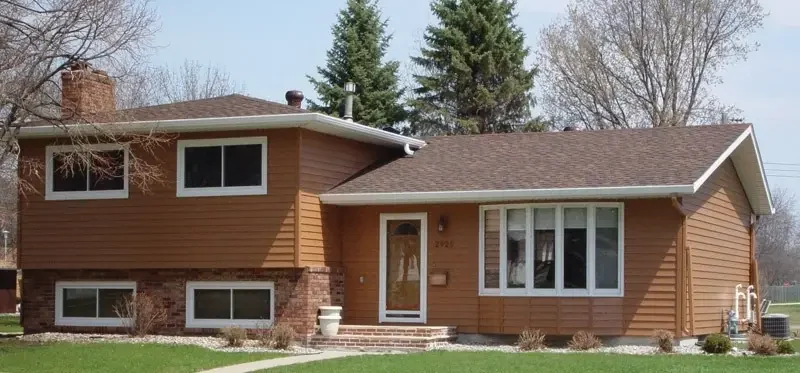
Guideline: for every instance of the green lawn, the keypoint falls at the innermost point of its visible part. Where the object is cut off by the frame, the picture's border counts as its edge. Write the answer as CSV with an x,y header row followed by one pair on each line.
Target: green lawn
x,y
792,310
16,356
466,362
9,324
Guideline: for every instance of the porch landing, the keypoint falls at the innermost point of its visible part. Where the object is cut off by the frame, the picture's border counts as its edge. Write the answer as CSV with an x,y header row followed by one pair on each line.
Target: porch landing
x,y
385,337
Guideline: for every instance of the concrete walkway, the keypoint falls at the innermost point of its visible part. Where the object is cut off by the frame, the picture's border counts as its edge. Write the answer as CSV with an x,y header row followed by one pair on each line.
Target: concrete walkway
x,y
279,362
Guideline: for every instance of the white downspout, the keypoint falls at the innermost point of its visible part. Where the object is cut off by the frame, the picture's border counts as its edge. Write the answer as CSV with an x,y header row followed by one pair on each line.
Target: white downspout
x,y
407,149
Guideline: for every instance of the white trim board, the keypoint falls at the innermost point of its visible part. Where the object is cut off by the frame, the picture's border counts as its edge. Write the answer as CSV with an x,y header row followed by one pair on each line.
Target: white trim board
x,y
504,195
312,121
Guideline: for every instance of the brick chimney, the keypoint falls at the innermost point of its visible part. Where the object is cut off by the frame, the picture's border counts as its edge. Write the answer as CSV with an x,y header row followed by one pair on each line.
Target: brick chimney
x,y
86,91
294,98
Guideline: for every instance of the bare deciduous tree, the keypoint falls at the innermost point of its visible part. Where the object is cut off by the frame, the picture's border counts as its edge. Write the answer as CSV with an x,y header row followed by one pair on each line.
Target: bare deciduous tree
x,y
41,38
161,85
778,241
632,63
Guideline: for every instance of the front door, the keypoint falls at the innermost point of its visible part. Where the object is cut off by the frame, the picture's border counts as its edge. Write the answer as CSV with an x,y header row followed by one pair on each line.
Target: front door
x,y
403,268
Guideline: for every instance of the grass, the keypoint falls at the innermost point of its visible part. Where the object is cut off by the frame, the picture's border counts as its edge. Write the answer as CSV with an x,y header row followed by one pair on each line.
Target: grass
x,y
467,362
17,356
10,324
792,310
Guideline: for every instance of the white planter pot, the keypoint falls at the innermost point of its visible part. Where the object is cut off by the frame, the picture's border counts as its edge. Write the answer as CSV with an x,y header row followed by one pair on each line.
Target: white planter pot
x,y
330,311
329,325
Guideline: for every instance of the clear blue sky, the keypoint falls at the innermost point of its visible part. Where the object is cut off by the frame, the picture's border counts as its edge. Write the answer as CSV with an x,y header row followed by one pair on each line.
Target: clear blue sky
x,y
270,47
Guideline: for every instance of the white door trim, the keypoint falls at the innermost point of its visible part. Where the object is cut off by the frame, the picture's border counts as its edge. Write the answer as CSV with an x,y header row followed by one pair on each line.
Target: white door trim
x,y
383,315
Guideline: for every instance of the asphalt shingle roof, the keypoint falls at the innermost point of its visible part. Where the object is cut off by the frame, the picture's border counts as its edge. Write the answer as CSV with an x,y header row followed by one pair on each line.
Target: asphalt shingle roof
x,y
574,159
235,105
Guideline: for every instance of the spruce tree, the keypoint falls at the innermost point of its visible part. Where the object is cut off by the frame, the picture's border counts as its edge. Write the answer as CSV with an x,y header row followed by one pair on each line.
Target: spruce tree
x,y
359,45
472,76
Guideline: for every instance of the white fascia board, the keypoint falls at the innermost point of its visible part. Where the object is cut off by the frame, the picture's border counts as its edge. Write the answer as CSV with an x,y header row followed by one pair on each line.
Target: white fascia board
x,y
504,195
302,120
747,134
763,175
721,159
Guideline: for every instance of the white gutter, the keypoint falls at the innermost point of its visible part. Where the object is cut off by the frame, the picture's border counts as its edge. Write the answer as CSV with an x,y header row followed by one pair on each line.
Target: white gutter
x,y
313,121
504,195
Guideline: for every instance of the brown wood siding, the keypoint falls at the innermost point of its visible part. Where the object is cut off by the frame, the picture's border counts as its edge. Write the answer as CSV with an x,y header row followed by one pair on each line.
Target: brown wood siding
x,y
651,234
326,161
719,242
159,230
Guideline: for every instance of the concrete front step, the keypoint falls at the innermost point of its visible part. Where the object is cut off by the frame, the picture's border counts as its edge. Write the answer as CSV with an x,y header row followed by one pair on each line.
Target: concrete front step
x,y
368,337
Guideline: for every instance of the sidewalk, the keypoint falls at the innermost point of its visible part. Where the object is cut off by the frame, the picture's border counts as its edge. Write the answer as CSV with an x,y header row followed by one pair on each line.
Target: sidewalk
x,y
271,363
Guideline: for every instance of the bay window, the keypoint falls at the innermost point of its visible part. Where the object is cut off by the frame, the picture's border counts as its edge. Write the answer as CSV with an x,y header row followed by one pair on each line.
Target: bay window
x,y
566,249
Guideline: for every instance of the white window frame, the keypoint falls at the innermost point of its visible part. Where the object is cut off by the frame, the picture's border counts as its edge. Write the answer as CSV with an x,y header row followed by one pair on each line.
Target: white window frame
x,y
89,321
559,291
192,322
52,195
182,191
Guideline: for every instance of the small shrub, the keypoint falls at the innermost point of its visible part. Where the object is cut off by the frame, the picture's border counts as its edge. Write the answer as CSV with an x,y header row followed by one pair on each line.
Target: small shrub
x,y
141,314
264,334
663,339
717,344
785,347
531,340
582,341
761,344
282,336
234,336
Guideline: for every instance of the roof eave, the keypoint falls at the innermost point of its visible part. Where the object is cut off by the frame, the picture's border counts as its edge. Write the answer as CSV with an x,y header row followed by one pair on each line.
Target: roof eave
x,y
313,121
647,191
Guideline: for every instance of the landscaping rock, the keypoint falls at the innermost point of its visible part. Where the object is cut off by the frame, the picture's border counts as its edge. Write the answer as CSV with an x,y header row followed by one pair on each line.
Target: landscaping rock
x,y
212,343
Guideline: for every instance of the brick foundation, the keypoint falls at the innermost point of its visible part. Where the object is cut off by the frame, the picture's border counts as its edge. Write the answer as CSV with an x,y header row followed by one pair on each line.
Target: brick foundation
x,y
298,294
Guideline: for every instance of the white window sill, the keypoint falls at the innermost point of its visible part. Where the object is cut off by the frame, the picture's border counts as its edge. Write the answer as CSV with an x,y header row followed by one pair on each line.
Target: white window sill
x,y
553,293
221,192
214,324
69,196
92,321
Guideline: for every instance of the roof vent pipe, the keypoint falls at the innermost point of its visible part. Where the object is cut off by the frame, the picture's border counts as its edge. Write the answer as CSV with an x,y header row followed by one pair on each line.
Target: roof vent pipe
x,y
407,149
349,89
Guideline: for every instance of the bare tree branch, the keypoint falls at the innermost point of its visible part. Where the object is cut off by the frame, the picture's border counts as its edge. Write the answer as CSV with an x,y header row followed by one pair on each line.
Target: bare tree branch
x,y
39,39
778,241
633,63
161,85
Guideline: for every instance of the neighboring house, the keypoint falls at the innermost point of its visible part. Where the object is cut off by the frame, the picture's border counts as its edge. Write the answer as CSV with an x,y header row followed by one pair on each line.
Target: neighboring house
x,y
271,211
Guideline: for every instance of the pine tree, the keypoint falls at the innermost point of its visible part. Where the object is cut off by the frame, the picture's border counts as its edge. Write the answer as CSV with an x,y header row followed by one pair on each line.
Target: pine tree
x,y
359,45
473,77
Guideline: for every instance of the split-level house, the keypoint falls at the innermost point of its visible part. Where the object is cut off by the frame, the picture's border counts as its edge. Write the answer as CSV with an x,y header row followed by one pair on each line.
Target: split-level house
x,y
270,211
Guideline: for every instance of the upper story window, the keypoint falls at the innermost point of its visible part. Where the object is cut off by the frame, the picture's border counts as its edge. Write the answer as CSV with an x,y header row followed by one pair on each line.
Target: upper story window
x,y
222,167
568,249
101,174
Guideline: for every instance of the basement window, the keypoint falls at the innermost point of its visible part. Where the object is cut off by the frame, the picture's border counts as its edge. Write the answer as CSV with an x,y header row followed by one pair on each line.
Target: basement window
x,y
222,167
99,173
566,249
217,304
91,303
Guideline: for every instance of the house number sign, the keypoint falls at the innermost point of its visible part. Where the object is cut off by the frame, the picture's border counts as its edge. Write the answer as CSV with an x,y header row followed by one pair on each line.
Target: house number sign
x,y
444,244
